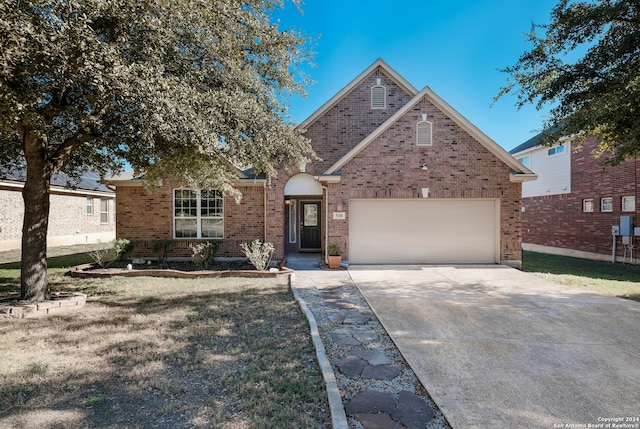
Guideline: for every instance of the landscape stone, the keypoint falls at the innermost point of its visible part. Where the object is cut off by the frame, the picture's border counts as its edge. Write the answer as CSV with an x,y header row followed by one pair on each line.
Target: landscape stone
x,y
377,421
344,339
412,411
371,401
365,336
338,317
381,372
374,357
338,303
351,366
356,318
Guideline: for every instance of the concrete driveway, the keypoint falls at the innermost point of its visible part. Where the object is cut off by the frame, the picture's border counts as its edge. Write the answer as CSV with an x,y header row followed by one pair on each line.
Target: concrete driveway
x,y
496,347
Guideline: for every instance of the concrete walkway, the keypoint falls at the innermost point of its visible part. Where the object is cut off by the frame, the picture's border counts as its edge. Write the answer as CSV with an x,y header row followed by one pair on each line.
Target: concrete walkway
x,y
496,347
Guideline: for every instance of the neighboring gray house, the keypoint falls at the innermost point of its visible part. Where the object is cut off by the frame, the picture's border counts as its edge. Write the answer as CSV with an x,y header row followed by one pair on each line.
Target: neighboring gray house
x,y
80,213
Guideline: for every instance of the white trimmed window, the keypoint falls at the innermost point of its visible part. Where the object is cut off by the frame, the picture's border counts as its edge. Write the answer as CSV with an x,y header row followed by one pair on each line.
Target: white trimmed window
x,y
587,205
89,206
378,97
423,133
556,150
629,204
198,214
293,221
104,210
525,160
606,204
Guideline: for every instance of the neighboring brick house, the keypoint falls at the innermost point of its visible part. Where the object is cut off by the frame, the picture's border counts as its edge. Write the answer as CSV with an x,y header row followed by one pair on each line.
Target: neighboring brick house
x,y
402,178
79,215
572,207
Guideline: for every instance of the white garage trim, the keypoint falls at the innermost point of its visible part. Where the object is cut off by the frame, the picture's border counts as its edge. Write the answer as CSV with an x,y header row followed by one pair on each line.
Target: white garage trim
x,y
424,231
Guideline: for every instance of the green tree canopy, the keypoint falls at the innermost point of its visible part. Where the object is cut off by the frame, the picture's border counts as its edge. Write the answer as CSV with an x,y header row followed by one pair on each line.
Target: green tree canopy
x,y
585,64
191,88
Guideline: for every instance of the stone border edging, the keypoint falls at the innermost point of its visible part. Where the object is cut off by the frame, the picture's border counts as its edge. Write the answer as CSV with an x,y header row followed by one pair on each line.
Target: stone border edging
x,y
81,272
60,302
338,415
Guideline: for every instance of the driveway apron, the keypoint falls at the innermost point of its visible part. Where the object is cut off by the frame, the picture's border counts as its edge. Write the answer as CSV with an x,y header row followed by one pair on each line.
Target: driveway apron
x,y
497,347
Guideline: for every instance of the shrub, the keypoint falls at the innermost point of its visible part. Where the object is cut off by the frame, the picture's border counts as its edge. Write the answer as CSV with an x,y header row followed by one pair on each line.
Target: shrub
x,y
162,248
258,253
103,257
203,253
333,250
122,246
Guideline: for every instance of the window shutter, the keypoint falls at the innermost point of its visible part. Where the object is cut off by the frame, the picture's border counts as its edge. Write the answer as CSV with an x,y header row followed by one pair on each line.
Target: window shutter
x,y
378,97
423,132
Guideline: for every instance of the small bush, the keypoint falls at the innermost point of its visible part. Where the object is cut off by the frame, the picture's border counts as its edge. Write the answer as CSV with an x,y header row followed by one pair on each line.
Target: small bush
x,y
162,248
122,246
259,253
202,254
103,257
333,250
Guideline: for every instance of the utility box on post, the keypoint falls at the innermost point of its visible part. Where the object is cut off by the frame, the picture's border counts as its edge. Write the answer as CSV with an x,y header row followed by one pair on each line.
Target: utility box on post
x,y
626,226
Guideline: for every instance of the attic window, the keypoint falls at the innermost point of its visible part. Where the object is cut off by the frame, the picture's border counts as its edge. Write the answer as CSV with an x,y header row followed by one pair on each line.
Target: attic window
x,y
378,96
556,150
423,133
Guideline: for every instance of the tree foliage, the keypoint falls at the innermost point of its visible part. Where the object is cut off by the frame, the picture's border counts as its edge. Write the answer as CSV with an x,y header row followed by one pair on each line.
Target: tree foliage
x,y
190,87
586,65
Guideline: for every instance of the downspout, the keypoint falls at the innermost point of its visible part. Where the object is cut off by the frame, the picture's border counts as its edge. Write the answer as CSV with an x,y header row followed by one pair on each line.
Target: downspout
x,y
264,212
326,229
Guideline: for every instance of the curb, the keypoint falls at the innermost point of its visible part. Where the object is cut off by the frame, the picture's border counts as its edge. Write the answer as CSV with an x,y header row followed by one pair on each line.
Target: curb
x,y
338,415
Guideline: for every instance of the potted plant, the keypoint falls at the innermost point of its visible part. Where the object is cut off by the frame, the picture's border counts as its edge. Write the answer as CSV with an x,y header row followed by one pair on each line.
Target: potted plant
x,y
334,256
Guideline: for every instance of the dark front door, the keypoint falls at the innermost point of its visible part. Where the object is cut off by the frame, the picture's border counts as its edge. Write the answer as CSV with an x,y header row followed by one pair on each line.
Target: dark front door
x,y
310,226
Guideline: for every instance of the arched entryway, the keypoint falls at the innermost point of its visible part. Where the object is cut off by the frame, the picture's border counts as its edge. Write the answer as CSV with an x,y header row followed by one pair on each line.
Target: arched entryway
x,y
303,214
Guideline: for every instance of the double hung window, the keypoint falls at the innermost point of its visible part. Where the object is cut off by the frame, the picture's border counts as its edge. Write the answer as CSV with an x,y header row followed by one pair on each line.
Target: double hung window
x,y
104,211
198,214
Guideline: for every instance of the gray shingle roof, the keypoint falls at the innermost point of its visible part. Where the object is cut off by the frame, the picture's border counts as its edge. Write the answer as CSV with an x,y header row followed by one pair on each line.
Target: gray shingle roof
x,y
89,181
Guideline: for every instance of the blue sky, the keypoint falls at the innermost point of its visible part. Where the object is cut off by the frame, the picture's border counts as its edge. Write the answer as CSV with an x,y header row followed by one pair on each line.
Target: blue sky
x,y
455,47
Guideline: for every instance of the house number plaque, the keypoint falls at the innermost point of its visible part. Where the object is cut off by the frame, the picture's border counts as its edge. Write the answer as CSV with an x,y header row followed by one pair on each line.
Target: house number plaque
x,y
339,215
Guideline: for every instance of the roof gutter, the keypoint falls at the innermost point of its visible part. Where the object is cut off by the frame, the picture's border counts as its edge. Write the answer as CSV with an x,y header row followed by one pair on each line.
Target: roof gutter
x,y
522,177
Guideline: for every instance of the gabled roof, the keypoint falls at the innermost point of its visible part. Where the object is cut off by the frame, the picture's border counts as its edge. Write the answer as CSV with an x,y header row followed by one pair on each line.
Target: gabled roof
x,y
460,120
399,80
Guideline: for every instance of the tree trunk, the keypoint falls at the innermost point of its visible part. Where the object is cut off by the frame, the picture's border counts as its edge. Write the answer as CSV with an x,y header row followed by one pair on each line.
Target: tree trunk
x,y
34,284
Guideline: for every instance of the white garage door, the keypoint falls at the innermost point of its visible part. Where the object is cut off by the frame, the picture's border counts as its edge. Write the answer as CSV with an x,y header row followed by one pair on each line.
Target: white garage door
x,y
423,231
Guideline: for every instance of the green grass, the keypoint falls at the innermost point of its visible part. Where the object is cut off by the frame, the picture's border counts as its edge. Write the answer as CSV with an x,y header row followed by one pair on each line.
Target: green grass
x,y
622,280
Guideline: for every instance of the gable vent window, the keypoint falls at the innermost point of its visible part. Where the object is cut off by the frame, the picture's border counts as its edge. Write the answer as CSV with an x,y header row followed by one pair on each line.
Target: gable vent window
x,y
423,133
378,96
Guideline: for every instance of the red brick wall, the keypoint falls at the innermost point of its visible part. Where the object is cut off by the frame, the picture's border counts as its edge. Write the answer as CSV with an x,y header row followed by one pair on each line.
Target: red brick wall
x,y
351,120
558,220
143,217
459,167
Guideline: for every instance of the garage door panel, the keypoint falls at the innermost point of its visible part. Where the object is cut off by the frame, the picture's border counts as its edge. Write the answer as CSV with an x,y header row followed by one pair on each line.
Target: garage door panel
x,y
422,231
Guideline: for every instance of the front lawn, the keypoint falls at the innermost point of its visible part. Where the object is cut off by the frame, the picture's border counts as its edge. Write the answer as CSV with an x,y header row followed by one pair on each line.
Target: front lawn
x,y
622,280
162,353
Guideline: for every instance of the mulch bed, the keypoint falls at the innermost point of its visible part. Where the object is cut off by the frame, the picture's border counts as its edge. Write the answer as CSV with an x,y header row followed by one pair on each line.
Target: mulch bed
x,y
179,269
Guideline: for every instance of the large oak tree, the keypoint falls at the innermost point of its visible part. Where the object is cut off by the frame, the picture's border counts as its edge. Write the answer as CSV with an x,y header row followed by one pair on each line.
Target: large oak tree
x,y
189,88
585,64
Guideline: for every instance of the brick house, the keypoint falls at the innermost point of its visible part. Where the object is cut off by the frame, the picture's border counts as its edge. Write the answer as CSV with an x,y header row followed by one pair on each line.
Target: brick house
x,y
402,178
572,207
79,215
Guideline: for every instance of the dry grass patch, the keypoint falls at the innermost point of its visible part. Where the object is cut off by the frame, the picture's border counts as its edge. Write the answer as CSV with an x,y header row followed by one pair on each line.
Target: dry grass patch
x,y
164,353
